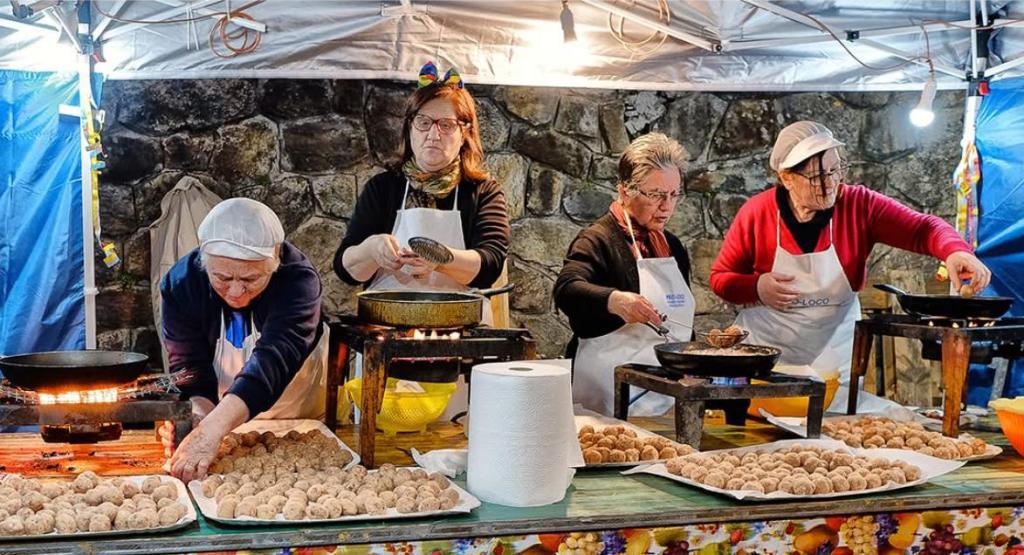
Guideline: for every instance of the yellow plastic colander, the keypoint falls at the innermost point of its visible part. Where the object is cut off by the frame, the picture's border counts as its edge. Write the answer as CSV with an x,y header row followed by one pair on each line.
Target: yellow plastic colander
x,y
404,411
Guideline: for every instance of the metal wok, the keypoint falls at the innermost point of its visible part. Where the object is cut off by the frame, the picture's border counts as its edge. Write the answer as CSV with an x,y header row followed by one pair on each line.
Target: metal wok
x,y
425,309
949,306
698,359
59,371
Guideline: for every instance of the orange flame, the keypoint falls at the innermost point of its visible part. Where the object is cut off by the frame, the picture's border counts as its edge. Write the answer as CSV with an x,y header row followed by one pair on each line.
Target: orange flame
x,y
419,335
78,397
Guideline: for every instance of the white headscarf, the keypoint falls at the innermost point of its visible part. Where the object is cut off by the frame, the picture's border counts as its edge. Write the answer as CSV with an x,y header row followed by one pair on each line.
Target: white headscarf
x,y
241,228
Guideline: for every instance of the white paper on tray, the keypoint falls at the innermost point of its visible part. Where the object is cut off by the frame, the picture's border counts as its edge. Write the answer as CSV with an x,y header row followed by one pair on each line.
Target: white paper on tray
x,y
931,467
450,462
798,425
585,417
208,506
183,498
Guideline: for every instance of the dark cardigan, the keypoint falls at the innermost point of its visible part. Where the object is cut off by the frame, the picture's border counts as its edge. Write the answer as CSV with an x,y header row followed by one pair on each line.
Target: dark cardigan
x,y
600,261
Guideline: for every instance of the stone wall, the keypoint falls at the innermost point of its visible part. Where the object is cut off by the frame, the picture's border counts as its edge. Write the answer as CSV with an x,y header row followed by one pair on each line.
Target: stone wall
x,y
306,148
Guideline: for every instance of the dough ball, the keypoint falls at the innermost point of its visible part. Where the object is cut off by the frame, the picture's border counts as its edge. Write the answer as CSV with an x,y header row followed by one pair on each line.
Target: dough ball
x,y
803,486
171,514
277,502
406,505
150,484
210,485
894,475
93,497
822,484
912,473
165,492
668,452
65,523
12,526
315,492
247,507
389,498
735,483
428,504
873,481
333,507
226,507
317,511
375,506
143,501
91,476
82,518
715,479
37,525
632,455
857,482
52,491
592,456
108,509
753,486
99,522
617,456
348,506
293,510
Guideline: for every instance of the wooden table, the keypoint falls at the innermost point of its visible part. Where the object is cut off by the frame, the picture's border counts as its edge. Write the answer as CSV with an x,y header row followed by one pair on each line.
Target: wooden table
x,y
597,500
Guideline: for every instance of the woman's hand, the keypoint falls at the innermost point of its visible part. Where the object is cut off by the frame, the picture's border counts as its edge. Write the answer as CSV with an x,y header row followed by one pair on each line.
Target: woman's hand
x,y
416,266
633,308
201,406
384,250
193,458
775,289
964,264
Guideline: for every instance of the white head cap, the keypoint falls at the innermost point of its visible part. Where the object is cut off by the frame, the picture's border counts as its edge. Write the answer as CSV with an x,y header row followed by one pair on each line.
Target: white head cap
x,y
798,142
241,228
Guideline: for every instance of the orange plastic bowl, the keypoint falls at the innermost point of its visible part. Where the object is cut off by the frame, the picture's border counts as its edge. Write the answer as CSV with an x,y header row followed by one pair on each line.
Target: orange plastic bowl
x,y
1012,423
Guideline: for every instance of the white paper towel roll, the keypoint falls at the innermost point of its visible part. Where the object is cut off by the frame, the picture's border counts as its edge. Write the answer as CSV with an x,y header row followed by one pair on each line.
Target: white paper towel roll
x,y
522,439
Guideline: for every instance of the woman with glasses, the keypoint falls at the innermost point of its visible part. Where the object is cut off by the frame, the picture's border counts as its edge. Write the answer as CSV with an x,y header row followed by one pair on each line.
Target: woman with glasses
x,y
439,190
796,254
624,272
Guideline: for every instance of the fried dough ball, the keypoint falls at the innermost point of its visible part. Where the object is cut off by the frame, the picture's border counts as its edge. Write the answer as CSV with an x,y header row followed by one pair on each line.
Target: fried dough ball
x,y
592,456
857,482
873,481
769,484
171,514
617,456
822,484
715,479
753,486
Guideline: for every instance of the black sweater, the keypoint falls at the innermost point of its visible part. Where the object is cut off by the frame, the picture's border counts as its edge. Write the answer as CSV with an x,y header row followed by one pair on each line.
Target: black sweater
x,y
600,261
481,206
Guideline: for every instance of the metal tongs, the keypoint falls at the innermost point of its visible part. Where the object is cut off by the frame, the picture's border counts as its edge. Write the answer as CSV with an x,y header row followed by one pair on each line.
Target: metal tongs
x,y
664,332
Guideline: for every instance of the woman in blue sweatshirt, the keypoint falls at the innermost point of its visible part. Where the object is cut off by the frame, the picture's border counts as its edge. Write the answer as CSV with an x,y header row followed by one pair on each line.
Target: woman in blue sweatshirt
x,y
242,312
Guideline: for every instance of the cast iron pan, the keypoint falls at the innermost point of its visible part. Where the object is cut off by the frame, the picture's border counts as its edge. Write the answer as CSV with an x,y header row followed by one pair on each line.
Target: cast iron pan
x,y
949,306
60,371
695,358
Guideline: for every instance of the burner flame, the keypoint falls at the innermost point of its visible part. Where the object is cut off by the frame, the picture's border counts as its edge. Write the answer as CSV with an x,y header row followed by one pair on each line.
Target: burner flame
x,y
421,335
79,397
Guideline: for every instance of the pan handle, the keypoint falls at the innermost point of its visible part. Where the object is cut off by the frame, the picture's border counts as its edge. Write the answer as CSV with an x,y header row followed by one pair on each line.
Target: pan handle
x,y
495,291
888,288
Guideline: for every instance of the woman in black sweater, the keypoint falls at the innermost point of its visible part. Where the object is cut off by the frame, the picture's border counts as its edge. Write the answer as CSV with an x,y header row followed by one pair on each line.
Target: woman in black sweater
x,y
625,271
440,191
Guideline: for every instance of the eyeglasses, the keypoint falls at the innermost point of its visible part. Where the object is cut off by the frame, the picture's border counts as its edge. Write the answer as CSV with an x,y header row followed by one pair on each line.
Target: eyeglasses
x,y
661,196
446,126
836,174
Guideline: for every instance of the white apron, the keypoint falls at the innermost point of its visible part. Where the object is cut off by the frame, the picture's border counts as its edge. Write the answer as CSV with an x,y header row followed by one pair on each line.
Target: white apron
x,y
817,329
593,382
304,396
445,227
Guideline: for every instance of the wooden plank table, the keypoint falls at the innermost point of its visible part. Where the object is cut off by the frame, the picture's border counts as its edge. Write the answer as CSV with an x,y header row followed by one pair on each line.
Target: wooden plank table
x,y
598,499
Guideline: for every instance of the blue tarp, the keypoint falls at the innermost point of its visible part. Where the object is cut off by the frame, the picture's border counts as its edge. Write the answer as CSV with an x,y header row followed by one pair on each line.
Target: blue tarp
x,y
41,275
1000,142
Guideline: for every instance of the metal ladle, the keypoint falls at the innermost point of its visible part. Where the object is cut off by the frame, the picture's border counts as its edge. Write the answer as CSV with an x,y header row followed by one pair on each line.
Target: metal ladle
x,y
431,250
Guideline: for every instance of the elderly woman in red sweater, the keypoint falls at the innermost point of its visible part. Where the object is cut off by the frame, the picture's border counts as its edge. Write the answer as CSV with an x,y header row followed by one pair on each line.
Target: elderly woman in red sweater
x,y
796,254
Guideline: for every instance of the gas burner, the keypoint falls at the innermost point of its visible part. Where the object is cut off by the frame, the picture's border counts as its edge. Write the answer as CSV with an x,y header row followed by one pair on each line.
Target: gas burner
x,y
97,415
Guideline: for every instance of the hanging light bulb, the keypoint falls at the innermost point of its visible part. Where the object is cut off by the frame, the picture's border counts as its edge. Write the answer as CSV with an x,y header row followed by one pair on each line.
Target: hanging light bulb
x,y
922,114
568,25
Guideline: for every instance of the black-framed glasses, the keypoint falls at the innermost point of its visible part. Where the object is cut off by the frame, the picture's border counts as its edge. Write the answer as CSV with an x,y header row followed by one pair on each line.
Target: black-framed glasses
x,y
446,126
661,196
837,174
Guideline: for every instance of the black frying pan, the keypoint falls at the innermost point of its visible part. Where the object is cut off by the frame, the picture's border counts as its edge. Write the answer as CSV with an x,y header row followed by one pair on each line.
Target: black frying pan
x,y
695,358
949,306
59,371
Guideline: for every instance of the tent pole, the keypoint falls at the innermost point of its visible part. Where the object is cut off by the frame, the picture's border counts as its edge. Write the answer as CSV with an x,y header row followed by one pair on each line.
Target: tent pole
x,y
85,103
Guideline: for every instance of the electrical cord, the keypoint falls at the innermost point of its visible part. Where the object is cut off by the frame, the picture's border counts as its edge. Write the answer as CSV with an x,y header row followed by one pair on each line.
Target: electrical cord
x,y
250,39
641,48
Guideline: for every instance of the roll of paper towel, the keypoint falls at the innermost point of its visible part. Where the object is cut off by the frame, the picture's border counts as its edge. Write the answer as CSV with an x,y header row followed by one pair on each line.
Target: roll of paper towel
x,y
522,438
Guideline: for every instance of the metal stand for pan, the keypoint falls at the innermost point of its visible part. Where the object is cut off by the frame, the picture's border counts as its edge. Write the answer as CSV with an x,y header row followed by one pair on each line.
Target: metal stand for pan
x,y
692,394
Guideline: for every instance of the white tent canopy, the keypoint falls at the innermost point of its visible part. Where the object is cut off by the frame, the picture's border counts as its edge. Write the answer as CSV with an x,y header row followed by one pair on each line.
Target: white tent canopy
x,y
737,45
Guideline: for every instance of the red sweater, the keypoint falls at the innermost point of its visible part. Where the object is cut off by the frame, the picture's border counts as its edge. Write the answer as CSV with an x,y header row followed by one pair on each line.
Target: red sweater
x,y
862,217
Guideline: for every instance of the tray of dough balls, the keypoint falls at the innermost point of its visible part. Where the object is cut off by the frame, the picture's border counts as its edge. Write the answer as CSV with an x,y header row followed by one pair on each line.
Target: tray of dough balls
x,y
259,440
896,428
91,505
801,469
316,494
611,443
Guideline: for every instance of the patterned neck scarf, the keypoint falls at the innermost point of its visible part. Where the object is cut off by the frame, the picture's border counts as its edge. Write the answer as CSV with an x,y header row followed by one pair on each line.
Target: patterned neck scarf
x,y
429,187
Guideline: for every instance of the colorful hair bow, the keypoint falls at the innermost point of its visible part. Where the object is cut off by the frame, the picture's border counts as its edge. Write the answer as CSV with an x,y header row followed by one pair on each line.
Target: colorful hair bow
x,y
428,76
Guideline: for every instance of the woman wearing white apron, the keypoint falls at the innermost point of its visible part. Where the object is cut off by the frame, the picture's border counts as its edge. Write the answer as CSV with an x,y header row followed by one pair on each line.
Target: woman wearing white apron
x,y
442,191
242,312
625,270
796,255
